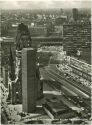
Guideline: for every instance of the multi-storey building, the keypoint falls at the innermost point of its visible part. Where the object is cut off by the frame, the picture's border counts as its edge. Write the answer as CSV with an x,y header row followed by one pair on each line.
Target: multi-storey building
x,y
7,48
38,31
6,44
75,14
77,36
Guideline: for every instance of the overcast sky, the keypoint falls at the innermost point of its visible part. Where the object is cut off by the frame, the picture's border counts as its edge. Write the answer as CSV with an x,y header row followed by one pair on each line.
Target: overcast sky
x,y
44,4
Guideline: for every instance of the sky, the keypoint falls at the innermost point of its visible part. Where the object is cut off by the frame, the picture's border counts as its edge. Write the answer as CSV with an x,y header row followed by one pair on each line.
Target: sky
x,y
44,4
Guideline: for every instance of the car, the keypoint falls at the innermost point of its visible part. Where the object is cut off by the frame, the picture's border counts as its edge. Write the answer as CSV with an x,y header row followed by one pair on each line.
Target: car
x,y
78,121
55,121
66,121
22,114
34,122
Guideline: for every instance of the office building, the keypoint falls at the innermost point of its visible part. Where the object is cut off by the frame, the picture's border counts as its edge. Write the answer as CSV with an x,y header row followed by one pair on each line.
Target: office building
x,y
75,14
29,80
77,36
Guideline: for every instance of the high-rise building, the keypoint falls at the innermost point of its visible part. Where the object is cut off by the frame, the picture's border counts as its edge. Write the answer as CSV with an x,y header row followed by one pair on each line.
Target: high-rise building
x,y
77,36
29,80
75,14
23,40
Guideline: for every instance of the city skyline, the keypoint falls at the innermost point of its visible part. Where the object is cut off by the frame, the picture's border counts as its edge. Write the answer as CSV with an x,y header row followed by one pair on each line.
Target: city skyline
x,y
42,4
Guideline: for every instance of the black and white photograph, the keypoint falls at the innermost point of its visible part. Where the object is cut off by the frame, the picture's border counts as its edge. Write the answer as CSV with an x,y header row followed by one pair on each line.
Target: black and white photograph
x,y
45,62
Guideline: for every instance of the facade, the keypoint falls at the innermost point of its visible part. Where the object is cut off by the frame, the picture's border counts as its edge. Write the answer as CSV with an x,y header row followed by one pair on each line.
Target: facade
x,y
75,14
77,36
38,31
29,86
48,41
6,44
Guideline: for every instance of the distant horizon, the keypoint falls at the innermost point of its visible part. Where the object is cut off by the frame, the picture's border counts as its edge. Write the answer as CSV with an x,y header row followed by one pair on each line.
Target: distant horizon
x,y
49,9
44,4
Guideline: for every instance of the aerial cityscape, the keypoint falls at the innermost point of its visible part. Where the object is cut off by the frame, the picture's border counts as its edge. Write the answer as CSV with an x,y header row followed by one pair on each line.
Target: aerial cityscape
x,y
45,66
